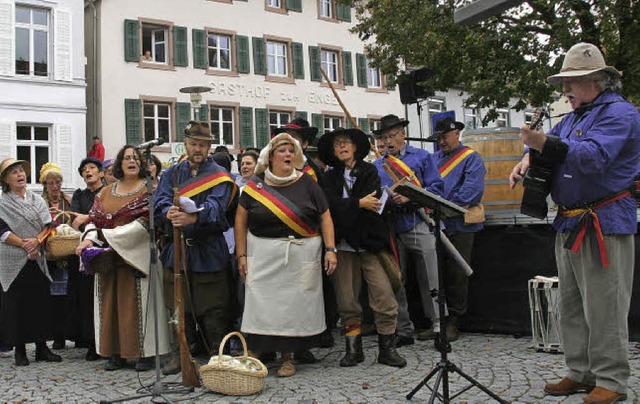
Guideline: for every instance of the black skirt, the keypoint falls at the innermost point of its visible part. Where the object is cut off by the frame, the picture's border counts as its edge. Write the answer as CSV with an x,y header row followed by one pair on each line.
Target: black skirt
x,y
25,311
271,343
80,305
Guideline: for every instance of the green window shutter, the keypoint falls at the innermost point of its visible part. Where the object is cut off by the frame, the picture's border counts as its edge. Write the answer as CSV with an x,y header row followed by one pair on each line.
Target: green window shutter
x,y
133,120
317,120
302,114
315,63
180,50
203,113
343,12
391,83
298,60
348,122
294,5
242,54
183,114
199,39
246,127
132,40
364,124
361,69
347,64
259,56
262,127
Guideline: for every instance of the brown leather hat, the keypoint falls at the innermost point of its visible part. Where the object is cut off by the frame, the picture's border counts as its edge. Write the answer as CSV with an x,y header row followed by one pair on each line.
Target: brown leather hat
x,y
198,130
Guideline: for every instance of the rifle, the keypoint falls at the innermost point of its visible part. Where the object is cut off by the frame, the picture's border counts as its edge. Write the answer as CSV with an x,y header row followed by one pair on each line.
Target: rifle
x,y
190,374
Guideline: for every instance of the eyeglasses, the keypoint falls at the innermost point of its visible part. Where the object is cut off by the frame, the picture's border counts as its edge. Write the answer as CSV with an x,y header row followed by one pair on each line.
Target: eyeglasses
x,y
391,135
340,143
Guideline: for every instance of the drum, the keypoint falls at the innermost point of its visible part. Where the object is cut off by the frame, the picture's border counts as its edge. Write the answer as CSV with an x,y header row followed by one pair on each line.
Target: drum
x,y
545,315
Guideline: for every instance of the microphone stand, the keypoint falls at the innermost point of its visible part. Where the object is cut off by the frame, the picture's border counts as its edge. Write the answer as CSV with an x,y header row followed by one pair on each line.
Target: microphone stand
x,y
159,389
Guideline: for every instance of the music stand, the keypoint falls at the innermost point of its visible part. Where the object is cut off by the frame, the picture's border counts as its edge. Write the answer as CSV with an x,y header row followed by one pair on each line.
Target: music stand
x,y
441,209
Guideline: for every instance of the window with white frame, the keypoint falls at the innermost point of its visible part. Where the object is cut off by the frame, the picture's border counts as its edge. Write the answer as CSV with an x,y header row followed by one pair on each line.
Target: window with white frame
x,y
326,8
277,59
332,123
330,64
32,41
222,125
435,106
274,3
155,43
219,47
503,118
472,117
374,79
157,120
528,116
33,145
374,124
278,119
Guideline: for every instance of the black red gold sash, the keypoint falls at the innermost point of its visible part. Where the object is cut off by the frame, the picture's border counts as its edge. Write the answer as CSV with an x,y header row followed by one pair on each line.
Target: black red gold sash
x,y
453,162
309,170
401,170
589,218
281,207
205,181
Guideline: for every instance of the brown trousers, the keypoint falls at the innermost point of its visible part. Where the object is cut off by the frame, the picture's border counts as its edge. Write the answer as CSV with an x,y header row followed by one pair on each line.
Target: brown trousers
x,y
352,267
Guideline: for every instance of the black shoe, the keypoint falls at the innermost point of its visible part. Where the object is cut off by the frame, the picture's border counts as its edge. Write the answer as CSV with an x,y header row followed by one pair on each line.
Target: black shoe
x,y
387,353
58,344
43,353
267,357
82,344
92,355
173,366
20,357
325,340
305,356
144,364
114,363
402,340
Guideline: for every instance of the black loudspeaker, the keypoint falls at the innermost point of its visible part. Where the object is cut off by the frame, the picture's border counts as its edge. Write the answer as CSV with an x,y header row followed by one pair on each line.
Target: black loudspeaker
x,y
410,91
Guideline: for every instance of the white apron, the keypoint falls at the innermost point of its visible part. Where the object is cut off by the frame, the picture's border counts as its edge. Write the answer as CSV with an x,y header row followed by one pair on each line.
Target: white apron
x,y
283,289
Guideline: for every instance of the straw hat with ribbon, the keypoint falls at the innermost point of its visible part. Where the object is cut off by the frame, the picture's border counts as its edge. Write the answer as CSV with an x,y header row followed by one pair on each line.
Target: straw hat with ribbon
x,y
10,161
581,60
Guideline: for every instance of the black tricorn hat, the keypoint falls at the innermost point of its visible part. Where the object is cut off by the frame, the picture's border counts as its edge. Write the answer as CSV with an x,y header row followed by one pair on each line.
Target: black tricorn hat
x,y
301,126
325,145
388,122
443,126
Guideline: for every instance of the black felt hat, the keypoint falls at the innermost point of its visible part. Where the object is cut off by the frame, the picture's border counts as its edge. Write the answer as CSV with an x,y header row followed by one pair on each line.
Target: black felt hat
x,y
326,150
301,126
388,122
443,126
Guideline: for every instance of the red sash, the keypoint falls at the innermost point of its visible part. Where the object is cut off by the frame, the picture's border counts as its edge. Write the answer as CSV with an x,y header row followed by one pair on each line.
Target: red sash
x,y
402,170
281,207
205,181
453,162
309,170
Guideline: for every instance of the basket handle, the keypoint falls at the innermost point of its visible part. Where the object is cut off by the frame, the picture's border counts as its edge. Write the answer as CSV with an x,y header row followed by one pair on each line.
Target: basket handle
x,y
64,213
224,341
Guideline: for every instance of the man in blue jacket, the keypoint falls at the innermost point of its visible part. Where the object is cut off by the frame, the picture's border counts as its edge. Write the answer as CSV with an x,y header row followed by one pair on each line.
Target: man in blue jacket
x,y
462,171
416,240
596,153
208,261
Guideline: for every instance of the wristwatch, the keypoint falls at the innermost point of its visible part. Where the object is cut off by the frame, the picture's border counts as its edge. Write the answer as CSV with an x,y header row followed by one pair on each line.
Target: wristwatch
x,y
331,249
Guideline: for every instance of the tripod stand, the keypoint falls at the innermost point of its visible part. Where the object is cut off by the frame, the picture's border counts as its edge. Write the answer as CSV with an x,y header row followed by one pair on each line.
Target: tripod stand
x,y
158,389
441,209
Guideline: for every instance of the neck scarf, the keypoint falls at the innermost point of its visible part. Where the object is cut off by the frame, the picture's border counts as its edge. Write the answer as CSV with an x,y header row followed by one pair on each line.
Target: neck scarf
x,y
279,180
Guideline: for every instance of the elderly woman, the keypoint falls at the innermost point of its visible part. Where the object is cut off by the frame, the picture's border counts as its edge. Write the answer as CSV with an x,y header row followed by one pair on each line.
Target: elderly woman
x,y
118,220
352,189
281,216
24,277
58,203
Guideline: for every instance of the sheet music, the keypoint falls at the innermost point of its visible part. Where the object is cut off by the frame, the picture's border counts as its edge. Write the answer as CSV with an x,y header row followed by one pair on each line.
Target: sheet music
x,y
386,193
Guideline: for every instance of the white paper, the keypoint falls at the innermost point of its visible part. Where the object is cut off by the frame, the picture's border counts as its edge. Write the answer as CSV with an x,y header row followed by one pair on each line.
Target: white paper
x,y
188,205
386,192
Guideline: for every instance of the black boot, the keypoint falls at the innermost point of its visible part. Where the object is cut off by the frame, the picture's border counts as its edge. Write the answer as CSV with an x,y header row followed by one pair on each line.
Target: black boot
x,y
20,356
115,362
43,353
387,352
353,354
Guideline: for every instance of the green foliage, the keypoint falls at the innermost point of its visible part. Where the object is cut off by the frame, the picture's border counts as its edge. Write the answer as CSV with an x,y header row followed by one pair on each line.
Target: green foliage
x,y
505,56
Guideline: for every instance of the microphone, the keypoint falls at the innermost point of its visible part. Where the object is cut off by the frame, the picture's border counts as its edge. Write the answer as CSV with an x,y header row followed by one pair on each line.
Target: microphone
x,y
151,143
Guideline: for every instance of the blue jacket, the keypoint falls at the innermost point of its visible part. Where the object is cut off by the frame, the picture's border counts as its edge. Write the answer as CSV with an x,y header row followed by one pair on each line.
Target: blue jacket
x,y
463,185
209,252
603,158
424,166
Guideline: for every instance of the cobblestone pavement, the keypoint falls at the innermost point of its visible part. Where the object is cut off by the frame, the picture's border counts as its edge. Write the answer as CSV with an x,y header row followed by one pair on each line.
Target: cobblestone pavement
x,y
507,366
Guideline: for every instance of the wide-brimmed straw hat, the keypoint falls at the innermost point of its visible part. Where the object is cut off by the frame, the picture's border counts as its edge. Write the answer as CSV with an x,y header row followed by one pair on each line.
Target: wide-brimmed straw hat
x,y
10,161
301,126
278,140
581,60
388,122
326,151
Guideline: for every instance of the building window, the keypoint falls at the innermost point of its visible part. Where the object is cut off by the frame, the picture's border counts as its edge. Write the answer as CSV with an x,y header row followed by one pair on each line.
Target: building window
x,y
277,6
32,41
472,117
33,145
528,117
157,121
219,47
434,106
155,43
330,63
374,79
274,3
222,125
503,118
326,9
278,119
277,60
374,124
332,123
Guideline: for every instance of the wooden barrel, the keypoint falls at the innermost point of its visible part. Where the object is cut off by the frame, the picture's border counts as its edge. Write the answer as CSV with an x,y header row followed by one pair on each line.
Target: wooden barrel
x,y
501,149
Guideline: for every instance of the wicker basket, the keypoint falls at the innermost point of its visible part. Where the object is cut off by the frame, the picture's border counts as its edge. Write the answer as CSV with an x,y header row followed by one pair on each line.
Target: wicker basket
x,y
224,378
60,246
